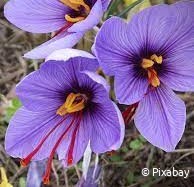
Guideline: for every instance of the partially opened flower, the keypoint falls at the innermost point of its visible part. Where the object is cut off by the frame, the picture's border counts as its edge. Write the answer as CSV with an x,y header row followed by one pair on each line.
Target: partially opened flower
x,y
150,56
69,19
65,107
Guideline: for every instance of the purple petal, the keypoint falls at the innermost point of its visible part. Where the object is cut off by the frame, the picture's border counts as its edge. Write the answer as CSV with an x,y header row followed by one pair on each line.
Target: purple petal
x,y
117,145
42,90
169,31
86,160
179,61
105,4
35,173
106,127
81,142
161,28
164,28
160,118
47,88
151,28
25,131
130,87
78,58
92,19
97,78
36,16
111,46
181,33
66,54
90,181
61,41
97,90
178,73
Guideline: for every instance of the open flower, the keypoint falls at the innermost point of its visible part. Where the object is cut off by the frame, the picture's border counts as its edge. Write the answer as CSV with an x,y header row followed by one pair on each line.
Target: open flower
x,y
69,19
150,56
65,107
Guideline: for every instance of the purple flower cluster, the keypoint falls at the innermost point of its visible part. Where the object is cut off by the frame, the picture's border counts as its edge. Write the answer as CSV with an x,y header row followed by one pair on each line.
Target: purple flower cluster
x,y
66,104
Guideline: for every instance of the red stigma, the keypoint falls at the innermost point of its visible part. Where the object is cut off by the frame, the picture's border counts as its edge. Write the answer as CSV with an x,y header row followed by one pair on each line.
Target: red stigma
x,y
129,112
70,161
49,163
46,180
75,121
63,29
72,143
25,161
111,153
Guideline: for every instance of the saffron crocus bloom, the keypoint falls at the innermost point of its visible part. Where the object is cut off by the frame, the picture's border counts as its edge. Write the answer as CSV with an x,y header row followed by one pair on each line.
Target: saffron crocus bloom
x,y
69,19
66,107
149,57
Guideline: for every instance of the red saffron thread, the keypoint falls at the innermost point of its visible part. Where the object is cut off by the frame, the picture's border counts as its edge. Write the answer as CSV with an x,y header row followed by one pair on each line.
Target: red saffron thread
x,y
111,153
129,113
49,163
63,29
72,143
24,162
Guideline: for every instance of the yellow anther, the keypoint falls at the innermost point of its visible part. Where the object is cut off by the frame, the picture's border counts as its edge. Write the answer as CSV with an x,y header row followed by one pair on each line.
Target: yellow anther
x,y
70,99
77,107
153,78
75,4
146,63
73,103
70,4
74,20
82,3
157,59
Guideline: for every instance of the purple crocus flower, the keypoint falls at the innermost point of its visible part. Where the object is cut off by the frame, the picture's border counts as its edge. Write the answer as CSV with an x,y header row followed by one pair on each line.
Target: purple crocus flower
x,y
149,57
69,19
66,106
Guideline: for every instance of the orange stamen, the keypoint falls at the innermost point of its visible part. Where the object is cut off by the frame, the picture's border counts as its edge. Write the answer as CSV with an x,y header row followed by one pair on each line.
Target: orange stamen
x,y
74,20
73,103
81,3
153,78
75,5
157,59
148,64
70,4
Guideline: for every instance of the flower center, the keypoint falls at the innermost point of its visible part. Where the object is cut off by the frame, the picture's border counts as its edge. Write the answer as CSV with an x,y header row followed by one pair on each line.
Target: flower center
x,y
73,103
76,5
148,64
